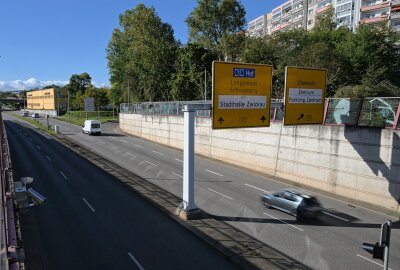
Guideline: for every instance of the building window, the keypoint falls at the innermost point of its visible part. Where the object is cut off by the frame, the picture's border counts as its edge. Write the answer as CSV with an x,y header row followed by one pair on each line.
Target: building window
x,y
309,22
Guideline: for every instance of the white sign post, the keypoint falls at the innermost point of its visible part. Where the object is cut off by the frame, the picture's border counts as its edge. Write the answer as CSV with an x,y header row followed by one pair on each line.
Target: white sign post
x,y
188,209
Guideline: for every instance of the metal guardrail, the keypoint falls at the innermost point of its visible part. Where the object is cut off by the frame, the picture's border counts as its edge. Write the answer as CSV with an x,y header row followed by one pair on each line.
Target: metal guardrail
x,y
380,112
8,259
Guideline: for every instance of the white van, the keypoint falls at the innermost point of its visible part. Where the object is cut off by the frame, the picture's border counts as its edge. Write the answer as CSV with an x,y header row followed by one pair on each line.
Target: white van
x,y
91,127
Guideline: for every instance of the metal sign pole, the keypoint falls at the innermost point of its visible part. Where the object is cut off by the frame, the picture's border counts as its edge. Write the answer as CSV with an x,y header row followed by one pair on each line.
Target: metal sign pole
x,y
188,160
385,240
188,208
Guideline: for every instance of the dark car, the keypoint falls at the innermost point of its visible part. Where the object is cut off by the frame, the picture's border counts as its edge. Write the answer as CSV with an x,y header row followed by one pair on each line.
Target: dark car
x,y
294,203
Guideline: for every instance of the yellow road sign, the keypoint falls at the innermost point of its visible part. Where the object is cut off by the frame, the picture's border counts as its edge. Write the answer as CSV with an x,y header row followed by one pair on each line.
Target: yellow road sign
x,y
305,91
241,95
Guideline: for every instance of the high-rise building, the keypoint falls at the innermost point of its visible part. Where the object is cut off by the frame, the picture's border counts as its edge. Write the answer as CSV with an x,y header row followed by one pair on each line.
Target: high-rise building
x,y
374,11
294,14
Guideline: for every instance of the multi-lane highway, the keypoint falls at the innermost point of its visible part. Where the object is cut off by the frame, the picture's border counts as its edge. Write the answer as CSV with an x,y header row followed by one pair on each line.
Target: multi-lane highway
x,y
233,194
91,220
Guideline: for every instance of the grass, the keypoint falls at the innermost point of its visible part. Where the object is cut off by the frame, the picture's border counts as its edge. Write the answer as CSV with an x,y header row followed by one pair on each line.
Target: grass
x,y
79,117
35,123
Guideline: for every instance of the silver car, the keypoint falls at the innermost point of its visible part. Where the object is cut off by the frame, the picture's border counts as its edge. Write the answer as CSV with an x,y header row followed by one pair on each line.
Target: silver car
x,y
294,203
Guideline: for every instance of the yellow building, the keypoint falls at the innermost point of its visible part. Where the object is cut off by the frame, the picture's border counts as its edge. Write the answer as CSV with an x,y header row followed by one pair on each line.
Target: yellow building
x,y
47,99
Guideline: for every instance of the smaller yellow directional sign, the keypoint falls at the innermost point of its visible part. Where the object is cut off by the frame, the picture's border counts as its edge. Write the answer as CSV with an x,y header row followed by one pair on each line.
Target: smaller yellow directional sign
x,y
241,95
305,90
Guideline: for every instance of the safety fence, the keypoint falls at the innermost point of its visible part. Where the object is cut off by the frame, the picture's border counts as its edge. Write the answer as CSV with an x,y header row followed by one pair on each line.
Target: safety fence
x,y
8,238
380,112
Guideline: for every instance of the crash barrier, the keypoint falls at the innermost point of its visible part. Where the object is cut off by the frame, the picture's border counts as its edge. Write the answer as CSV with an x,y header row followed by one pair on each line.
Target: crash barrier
x,y
340,156
380,112
8,255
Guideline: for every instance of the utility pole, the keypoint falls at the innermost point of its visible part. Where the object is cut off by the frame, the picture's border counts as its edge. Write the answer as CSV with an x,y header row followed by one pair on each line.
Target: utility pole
x,y
69,109
205,85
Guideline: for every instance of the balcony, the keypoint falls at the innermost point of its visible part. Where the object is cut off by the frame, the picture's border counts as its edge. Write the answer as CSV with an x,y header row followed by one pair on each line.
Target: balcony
x,y
374,19
394,16
285,15
323,9
396,3
298,18
374,7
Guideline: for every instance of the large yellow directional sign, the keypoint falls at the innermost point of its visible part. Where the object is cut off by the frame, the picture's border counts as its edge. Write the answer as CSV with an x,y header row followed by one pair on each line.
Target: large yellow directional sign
x,y
304,96
241,95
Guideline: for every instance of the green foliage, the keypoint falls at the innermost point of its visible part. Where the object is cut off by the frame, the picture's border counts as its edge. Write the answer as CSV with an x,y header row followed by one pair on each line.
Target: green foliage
x,y
188,82
218,25
142,56
364,63
79,83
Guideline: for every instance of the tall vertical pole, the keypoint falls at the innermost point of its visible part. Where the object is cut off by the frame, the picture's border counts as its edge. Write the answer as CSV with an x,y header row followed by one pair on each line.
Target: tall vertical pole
x,y
387,245
69,109
205,85
58,102
188,160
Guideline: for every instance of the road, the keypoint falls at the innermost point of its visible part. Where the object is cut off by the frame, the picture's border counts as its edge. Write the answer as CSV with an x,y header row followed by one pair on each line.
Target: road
x,y
93,221
233,194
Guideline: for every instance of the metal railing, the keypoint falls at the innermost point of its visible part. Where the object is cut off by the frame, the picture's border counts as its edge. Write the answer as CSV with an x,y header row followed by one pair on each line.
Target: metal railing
x,y
380,112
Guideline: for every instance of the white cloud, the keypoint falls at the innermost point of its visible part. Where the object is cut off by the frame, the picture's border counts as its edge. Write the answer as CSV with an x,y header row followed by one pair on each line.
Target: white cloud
x,y
27,84
33,83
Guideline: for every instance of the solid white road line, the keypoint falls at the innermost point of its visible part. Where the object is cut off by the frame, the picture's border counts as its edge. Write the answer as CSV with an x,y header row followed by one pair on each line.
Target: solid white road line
x,y
177,174
135,261
113,148
151,163
263,190
214,173
381,265
124,141
179,160
138,146
220,193
332,215
88,204
48,158
65,177
158,153
300,229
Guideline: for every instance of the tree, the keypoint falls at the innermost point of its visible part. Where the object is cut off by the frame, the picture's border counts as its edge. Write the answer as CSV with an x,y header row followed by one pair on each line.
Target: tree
x,y
142,53
217,25
188,82
99,94
79,83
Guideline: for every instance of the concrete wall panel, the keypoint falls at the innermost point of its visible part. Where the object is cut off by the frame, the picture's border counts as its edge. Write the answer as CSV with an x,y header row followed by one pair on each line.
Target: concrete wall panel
x,y
359,163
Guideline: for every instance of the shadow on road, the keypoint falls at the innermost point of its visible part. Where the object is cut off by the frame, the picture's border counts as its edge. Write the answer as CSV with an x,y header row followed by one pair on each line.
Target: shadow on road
x,y
322,221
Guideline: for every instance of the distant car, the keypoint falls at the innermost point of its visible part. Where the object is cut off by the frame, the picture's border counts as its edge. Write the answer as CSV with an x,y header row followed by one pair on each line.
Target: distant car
x,y
26,114
294,203
35,115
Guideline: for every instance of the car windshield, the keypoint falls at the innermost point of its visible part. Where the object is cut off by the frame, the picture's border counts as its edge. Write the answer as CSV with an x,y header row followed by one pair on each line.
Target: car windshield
x,y
95,125
312,201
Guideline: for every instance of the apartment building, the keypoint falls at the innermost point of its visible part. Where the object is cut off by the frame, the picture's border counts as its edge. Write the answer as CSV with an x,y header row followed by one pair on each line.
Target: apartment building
x,y
373,11
294,14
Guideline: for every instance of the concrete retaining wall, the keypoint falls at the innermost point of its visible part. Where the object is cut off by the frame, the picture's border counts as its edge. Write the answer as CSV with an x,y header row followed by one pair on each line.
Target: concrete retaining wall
x,y
359,163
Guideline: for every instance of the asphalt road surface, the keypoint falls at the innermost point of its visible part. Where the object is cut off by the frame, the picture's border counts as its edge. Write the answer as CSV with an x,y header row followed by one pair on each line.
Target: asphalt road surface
x,y
233,194
91,220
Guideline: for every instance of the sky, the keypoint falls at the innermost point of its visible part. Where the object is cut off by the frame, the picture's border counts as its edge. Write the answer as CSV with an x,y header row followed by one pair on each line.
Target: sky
x,y
44,42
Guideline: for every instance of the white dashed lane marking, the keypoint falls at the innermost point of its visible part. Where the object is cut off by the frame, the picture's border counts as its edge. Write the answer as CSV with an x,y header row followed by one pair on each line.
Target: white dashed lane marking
x,y
89,205
220,194
214,173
